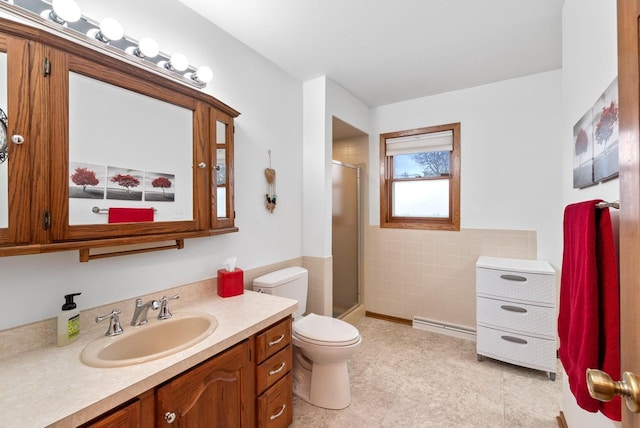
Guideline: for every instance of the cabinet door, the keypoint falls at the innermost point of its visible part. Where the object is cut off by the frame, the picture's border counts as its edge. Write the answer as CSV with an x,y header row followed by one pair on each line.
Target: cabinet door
x,y
121,143
125,417
218,393
16,174
222,209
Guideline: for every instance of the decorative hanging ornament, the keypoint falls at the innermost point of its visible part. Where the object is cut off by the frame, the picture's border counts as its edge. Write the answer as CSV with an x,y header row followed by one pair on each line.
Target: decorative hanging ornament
x,y
271,186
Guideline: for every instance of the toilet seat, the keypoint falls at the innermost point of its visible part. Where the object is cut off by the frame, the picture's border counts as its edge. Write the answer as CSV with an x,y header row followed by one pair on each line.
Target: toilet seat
x,y
325,331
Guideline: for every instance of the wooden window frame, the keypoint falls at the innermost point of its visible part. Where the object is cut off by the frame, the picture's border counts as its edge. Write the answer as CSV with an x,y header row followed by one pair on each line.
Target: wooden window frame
x,y
387,220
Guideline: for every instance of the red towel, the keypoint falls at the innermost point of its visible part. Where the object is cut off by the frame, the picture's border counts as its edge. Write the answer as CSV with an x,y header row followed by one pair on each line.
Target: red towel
x,y
609,356
588,320
130,215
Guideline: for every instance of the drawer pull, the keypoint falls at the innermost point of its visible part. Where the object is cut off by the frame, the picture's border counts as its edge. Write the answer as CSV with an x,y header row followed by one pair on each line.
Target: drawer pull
x,y
514,309
510,277
278,340
278,370
277,415
514,340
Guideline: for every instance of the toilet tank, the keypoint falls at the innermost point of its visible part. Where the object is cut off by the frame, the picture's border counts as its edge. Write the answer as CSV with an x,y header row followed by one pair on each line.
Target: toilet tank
x,y
290,282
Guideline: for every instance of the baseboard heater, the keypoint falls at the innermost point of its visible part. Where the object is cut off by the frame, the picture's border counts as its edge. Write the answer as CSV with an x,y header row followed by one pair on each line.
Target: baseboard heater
x,y
443,328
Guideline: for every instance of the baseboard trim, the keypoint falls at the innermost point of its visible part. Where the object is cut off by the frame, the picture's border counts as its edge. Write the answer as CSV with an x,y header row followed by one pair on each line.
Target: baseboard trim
x,y
562,422
388,318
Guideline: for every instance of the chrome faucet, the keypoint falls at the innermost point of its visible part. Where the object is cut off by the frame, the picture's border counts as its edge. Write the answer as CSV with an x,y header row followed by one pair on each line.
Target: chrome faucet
x,y
164,313
114,323
140,312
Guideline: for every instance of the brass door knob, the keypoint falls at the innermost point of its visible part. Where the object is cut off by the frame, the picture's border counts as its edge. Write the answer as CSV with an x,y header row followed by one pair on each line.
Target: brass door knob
x,y
603,388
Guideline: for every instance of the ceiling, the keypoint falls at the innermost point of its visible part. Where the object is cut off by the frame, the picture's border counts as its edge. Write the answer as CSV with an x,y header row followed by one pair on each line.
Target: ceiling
x,y
385,51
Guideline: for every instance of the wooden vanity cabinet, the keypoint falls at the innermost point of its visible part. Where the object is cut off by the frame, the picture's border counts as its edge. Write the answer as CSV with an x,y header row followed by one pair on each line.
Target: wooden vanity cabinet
x,y
216,394
248,385
274,388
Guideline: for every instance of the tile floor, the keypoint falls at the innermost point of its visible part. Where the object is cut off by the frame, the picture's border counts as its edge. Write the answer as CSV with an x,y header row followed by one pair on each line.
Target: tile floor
x,y
403,377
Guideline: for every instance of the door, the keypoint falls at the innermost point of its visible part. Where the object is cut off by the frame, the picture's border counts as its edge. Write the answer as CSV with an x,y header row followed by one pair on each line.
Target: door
x,y
628,81
345,237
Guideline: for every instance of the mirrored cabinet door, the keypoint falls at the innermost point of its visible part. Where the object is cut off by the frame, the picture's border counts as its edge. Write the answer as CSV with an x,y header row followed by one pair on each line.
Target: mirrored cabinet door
x,y
15,163
126,158
222,177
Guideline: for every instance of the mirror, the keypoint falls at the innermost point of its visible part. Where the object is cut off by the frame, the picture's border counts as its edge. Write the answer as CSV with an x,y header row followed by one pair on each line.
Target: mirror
x,y
4,162
221,169
127,150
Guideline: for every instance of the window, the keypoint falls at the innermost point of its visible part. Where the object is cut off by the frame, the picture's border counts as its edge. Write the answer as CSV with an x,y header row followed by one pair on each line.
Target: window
x,y
420,178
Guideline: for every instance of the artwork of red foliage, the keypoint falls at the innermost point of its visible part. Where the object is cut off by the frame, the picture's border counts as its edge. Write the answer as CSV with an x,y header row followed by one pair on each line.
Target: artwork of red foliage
x,y
162,182
608,119
582,142
126,181
84,177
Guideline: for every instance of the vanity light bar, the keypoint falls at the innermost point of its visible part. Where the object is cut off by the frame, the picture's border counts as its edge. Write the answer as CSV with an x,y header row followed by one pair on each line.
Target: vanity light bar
x,y
88,32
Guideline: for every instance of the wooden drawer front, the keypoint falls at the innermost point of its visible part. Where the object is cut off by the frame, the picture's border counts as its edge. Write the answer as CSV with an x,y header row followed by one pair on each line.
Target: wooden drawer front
x,y
517,348
522,286
275,407
539,320
273,369
273,340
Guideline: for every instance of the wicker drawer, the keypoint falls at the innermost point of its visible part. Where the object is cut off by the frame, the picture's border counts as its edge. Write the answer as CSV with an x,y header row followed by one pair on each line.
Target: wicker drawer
x,y
273,340
275,406
518,349
526,318
521,286
273,369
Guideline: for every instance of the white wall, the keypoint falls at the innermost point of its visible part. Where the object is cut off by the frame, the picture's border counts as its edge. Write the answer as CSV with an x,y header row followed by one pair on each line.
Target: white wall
x,y
271,105
510,163
589,64
323,99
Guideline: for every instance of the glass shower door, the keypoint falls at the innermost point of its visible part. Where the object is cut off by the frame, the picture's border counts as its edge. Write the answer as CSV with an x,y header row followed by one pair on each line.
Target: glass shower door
x,y
346,237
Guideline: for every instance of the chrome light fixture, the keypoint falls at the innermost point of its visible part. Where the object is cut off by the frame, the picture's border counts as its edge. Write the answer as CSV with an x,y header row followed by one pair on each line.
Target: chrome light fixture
x,y
202,75
62,11
147,48
177,62
109,30
64,17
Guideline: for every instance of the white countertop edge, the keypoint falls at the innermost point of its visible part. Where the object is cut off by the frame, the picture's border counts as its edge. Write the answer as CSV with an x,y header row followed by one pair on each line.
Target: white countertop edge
x,y
52,387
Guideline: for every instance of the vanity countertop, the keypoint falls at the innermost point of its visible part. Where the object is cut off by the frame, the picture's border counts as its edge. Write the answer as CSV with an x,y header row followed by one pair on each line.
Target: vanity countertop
x,y
50,386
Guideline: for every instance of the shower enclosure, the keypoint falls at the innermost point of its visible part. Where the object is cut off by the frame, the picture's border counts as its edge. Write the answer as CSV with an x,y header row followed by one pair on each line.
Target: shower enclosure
x,y
346,237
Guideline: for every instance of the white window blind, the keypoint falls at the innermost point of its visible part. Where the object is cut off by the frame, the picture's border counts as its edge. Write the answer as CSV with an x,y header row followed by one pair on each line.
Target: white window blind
x,y
432,142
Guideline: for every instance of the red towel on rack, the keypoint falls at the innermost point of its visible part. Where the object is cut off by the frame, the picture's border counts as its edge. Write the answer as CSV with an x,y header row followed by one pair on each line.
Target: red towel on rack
x,y
130,215
609,356
588,320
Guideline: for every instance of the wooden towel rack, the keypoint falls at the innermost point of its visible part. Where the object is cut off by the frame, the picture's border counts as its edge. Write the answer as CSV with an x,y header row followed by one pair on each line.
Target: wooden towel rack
x,y
85,253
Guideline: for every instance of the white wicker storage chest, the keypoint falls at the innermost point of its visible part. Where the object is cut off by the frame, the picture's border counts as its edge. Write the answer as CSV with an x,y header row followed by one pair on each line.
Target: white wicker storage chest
x,y
516,312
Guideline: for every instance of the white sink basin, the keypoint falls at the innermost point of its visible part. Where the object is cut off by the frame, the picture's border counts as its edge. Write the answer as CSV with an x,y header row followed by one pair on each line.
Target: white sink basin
x,y
149,342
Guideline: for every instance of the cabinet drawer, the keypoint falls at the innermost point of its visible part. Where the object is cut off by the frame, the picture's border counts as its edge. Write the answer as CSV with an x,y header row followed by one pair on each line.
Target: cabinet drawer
x,y
273,340
275,406
539,320
273,369
523,286
517,348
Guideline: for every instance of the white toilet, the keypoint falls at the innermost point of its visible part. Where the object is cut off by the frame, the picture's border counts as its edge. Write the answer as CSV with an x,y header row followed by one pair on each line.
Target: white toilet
x,y
321,345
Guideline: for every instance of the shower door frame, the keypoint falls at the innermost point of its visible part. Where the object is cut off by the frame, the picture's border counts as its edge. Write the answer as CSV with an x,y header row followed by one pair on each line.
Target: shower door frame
x,y
358,238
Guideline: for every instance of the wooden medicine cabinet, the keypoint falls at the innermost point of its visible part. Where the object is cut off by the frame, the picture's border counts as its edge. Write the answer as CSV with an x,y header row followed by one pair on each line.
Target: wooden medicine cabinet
x,y
88,133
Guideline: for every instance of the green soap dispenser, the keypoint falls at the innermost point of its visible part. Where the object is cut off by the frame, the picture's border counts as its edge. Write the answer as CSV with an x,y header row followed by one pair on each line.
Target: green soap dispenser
x,y
68,321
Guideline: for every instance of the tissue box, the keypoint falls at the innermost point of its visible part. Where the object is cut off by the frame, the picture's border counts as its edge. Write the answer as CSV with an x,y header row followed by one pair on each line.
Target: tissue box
x,y
230,283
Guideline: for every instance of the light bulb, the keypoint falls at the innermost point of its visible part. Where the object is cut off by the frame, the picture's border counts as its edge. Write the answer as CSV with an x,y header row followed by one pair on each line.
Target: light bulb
x,y
66,10
203,74
148,47
178,62
111,29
